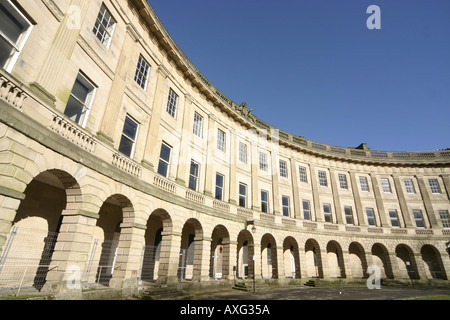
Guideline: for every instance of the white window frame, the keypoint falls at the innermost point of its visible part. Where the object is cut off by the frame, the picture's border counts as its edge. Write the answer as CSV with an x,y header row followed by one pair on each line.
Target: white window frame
x,y
285,206
409,186
386,185
343,181
194,177
85,105
302,174
132,139
266,202
327,212
242,152
243,195
283,169
349,218
434,186
222,187
370,213
364,184
221,140
172,103
445,218
104,35
198,125
18,45
142,72
322,178
164,160
263,166
418,218
393,217
306,211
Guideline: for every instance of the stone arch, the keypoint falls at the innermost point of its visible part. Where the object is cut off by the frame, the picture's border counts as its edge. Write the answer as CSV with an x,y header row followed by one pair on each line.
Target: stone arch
x,y
158,229
335,258
106,239
313,258
434,268
190,262
406,262
219,267
269,265
245,252
380,258
32,239
291,258
358,261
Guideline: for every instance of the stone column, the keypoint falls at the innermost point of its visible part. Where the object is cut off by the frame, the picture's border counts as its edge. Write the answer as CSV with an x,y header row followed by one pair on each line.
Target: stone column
x,y
234,153
232,265
357,198
432,214
184,160
347,264
202,256
53,69
402,201
275,166
315,193
295,190
150,156
302,258
9,203
129,255
169,257
210,169
336,198
379,201
254,161
71,250
116,94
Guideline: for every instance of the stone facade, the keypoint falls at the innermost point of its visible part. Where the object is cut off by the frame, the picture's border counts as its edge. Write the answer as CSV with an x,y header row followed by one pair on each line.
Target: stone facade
x,y
86,111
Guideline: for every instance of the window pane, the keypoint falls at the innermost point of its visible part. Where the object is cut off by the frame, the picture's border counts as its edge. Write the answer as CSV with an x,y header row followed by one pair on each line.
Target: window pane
x,y
130,128
126,146
306,210
165,152
370,216
163,168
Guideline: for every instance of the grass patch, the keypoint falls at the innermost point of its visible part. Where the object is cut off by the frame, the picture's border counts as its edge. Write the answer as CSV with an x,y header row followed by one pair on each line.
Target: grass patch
x,y
441,297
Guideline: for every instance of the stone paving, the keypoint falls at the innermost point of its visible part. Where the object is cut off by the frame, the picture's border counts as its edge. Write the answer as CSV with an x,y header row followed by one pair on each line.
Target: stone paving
x,y
337,293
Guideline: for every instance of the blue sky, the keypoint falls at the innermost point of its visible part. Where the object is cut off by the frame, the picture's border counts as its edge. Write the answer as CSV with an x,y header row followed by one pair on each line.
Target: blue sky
x,y
313,68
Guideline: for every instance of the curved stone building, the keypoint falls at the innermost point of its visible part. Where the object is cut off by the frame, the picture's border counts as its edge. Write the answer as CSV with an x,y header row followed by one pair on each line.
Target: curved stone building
x,y
122,165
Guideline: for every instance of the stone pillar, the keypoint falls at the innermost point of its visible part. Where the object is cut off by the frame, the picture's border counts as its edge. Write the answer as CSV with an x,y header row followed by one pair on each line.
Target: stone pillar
x,y
169,257
9,203
302,261
150,156
210,169
275,166
357,198
116,94
379,201
432,214
402,201
315,193
234,153
63,44
280,274
254,162
184,160
336,198
129,256
347,264
202,256
392,257
295,190
257,272
232,265
71,251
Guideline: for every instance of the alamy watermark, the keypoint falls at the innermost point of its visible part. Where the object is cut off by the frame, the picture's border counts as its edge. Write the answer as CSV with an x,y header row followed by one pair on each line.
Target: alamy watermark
x,y
374,280
374,21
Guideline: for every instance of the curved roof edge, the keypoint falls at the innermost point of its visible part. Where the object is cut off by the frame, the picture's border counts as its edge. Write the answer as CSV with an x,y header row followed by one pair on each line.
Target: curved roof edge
x,y
243,115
